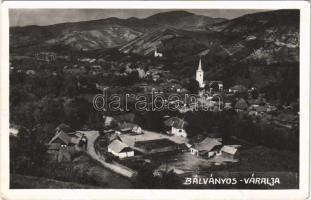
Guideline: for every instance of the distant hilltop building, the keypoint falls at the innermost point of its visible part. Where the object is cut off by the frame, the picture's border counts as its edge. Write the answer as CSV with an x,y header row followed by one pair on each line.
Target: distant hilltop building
x,y
45,56
156,54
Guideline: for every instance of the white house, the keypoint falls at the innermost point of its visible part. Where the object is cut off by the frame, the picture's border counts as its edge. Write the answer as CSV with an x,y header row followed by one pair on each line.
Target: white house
x,y
156,54
120,149
177,126
209,146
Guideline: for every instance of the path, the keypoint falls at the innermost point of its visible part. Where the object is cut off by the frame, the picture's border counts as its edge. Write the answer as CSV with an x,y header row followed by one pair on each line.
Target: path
x,y
113,166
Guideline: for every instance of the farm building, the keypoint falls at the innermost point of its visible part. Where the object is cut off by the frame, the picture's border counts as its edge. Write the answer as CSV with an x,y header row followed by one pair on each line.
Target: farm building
x,y
158,146
209,147
228,151
120,149
64,139
130,127
62,146
177,126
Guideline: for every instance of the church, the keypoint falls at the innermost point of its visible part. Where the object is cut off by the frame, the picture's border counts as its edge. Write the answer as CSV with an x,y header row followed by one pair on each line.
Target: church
x,y
200,75
212,85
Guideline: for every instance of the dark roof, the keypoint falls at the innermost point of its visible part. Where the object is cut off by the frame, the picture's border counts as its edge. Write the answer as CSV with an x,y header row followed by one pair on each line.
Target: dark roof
x,y
285,117
257,101
241,104
207,144
54,146
64,127
175,122
63,137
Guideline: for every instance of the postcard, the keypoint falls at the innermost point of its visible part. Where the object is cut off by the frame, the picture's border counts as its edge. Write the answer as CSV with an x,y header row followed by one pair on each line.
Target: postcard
x,y
155,99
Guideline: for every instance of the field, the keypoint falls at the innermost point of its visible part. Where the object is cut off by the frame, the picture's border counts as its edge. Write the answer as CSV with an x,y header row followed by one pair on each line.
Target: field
x,y
256,159
27,182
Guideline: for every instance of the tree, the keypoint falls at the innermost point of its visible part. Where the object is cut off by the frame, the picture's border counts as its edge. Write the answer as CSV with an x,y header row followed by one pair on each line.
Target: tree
x,y
193,86
27,152
170,180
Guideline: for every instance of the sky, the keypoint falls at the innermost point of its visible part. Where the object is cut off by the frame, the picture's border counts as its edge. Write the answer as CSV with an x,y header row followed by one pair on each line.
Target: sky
x,y
42,17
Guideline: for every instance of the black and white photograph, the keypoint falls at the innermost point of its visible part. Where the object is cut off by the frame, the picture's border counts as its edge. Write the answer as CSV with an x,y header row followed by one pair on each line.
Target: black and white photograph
x,y
154,98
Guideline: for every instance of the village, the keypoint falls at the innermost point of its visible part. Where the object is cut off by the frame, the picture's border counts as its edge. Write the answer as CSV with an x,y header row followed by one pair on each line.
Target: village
x,y
148,103
123,144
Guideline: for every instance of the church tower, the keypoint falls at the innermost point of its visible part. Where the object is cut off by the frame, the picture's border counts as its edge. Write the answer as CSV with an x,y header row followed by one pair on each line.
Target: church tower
x,y
200,75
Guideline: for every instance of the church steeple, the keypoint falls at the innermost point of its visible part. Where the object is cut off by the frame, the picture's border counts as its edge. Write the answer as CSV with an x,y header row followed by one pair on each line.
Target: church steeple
x,y
200,65
200,75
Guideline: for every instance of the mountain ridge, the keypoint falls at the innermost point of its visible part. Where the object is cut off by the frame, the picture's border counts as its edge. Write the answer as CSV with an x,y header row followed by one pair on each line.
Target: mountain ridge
x,y
104,33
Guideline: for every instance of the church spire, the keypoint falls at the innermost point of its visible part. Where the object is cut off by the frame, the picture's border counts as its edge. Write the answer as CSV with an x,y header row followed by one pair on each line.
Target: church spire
x,y
200,75
200,65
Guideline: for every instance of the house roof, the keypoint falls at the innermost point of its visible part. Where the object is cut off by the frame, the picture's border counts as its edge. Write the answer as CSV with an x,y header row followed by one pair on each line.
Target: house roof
x,y
62,136
64,127
114,136
54,146
241,104
239,88
285,117
257,101
118,146
207,144
260,109
175,122
229,149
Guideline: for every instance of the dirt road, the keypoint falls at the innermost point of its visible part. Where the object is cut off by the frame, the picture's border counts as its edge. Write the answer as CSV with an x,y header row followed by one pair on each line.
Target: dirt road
x,y
113,166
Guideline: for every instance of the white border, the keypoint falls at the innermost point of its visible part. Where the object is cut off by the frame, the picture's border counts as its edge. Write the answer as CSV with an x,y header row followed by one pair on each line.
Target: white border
x,y
136,194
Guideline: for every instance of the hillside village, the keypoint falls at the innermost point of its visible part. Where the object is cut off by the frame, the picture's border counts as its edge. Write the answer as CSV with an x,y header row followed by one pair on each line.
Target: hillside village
x,y
122,141
246,114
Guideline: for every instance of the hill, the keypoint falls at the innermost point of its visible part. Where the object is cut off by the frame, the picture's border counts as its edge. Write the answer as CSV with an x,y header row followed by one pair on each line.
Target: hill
x,y
104,33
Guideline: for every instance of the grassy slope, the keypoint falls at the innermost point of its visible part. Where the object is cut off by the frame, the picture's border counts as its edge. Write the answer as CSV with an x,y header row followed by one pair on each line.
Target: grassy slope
x,y
32,182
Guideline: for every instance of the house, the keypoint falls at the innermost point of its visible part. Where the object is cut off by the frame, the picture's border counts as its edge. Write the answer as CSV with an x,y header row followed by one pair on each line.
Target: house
x,y
157,54
14,129
63,127
228,151
137,129
108,121
177,126
227,106
30,72
238,89
241,105
63,145
209,146
120,149
286,120
64,139
155,77
257,110
129,127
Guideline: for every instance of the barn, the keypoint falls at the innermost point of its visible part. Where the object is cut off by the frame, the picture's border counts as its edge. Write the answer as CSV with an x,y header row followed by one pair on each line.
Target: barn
x,y
120,149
